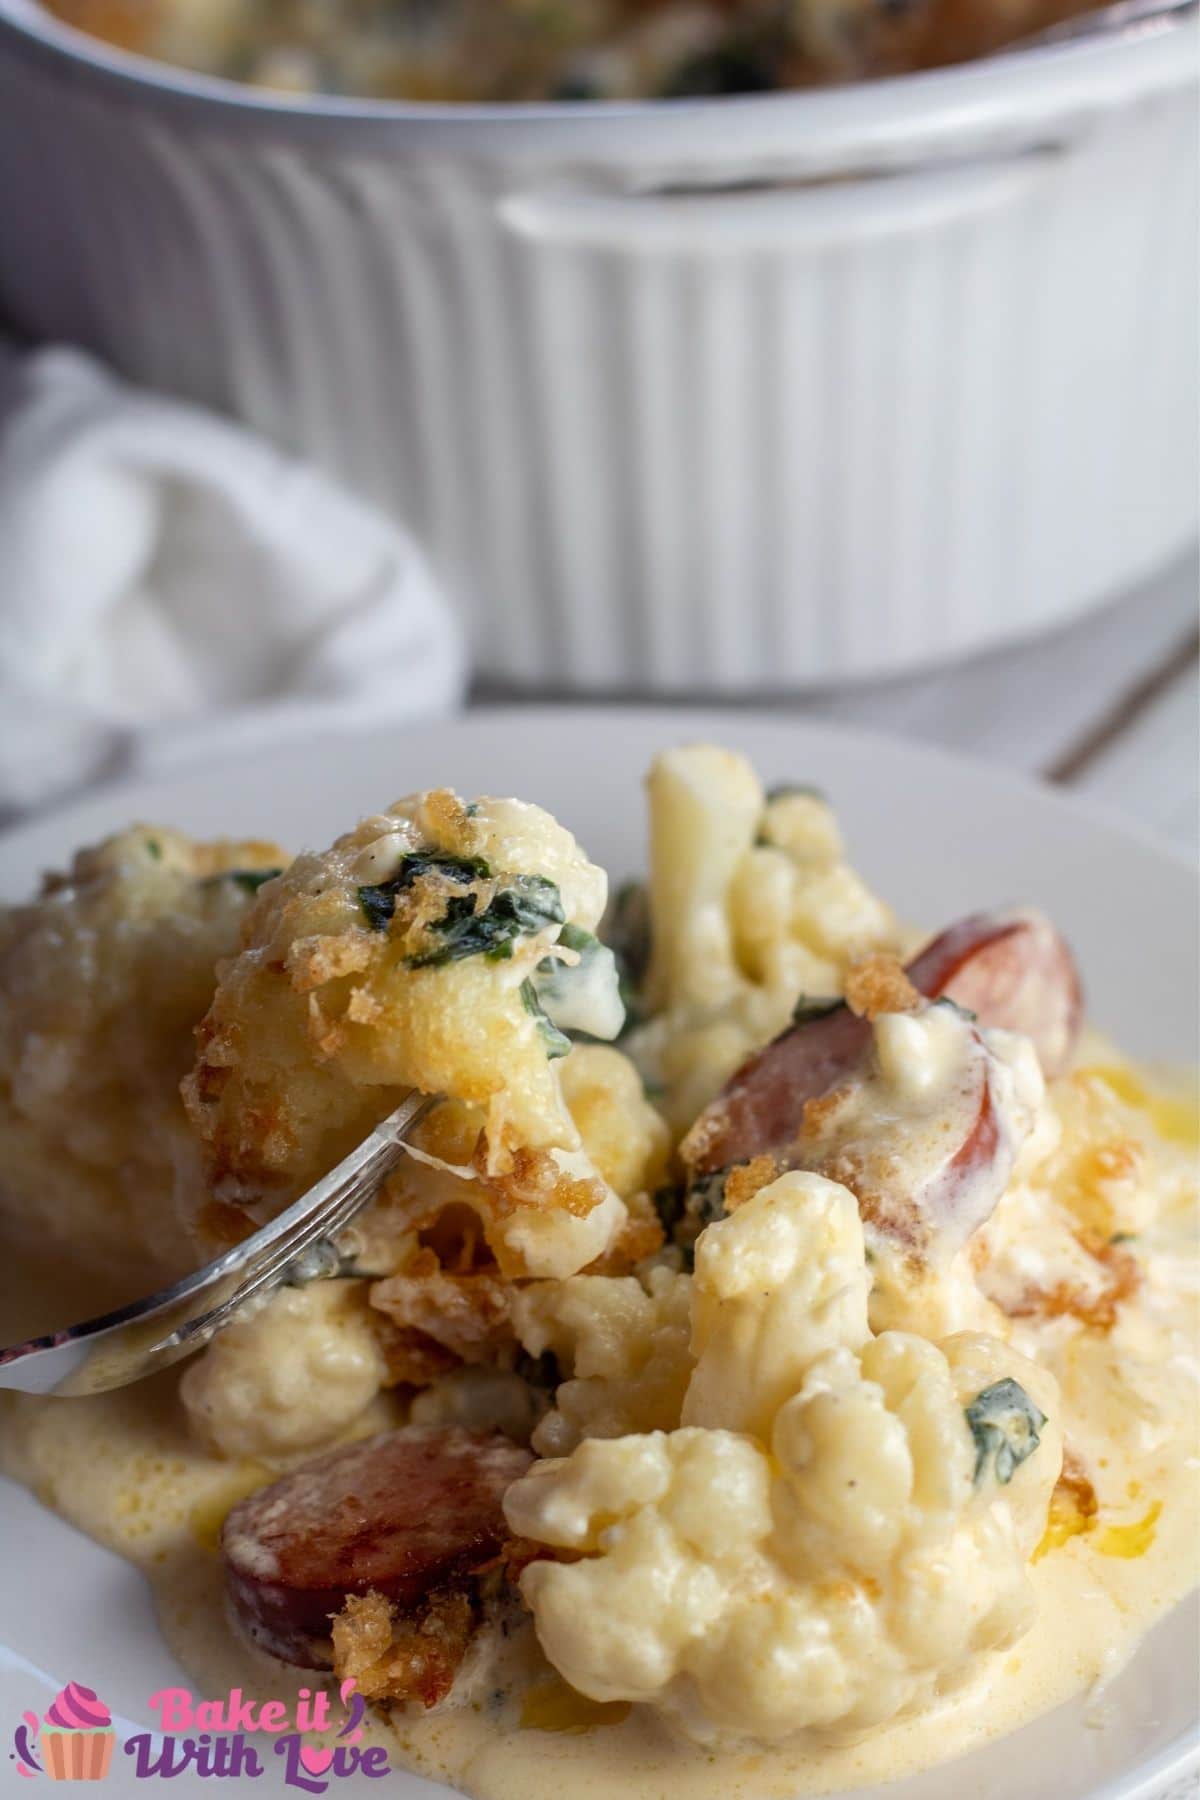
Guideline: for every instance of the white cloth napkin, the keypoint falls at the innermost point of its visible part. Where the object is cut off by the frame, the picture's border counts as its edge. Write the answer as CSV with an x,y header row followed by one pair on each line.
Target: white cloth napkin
x,y
172,586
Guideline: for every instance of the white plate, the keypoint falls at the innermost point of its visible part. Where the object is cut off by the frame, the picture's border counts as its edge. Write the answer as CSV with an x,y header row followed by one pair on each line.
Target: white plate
x,y
938,836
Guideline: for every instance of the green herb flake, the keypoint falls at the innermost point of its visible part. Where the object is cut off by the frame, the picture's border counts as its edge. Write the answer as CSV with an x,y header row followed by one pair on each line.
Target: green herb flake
x,y
806,1010
378,901
378,906
571,937
626,931
557,1042
787,790
706,1198
964,1012
684,1213
250,880
1006,1427
154,849
521,908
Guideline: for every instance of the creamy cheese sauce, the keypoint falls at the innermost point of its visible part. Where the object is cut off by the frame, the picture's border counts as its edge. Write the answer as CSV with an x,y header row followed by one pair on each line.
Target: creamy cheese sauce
x,y
122,1468
817,1529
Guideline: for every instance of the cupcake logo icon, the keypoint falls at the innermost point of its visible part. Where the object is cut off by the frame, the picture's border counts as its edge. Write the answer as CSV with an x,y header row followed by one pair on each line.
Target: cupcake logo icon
x,y
72,1741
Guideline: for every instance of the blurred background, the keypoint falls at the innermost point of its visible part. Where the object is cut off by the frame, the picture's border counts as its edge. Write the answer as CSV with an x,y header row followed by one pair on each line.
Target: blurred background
x,y
369,357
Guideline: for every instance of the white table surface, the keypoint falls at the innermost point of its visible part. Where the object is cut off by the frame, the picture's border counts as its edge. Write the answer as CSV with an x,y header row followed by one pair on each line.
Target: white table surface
x,y
1109,706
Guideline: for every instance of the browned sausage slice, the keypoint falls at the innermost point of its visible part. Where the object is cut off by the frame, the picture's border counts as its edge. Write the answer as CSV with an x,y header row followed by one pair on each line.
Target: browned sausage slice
x,y
1013,970
402,1515
924,1179
761,1106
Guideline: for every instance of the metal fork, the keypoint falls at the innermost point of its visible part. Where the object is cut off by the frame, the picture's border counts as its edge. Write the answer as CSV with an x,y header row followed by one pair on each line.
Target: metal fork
x,y
297,1247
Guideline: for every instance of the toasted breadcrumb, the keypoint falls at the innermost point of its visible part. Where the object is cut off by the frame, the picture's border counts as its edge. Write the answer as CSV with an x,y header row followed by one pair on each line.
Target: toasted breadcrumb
x,y
1121,1278
524,1177
821,1111
399,1659
467,1314
742,1183
412,1358
877,985
637,1239
1075,1481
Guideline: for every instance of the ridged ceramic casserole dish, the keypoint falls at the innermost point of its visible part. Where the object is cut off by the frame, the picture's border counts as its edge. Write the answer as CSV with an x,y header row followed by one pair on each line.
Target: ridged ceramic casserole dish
x,y
714,395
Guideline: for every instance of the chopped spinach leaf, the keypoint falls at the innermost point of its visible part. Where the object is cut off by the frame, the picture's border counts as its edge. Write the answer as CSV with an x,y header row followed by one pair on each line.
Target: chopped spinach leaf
x,y
684,1213
1005,1425
581,997
378,901
557,1042
964,1012
526,905
250,880
154,849
571,937
670,1205
783,790
379,905
576,87
626,931
806,1010
733,67
706,1198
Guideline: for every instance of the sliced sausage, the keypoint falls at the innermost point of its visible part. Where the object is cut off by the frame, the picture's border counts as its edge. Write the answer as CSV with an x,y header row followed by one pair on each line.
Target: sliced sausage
x,y
404,1515
762,1104
1013,970
925,1177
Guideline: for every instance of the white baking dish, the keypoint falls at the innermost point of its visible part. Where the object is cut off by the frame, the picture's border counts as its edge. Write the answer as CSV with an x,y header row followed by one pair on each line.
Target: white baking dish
x,y
720,395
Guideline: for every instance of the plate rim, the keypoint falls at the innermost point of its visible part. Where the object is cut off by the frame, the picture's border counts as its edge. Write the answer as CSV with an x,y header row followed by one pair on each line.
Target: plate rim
x,y
1016,781
1157,1777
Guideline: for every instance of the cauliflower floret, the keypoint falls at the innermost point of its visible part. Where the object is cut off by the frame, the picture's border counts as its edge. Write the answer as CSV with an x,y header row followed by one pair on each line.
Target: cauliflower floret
x,y
821,1555
622,1343
103,979
480,1400
625,1138
752,904
1083,1255
409,955
444,1297
292,1376
790,1282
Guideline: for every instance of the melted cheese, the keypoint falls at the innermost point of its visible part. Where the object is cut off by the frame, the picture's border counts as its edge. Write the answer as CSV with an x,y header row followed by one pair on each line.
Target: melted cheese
x,y
1084,1269
122,1468
127,1474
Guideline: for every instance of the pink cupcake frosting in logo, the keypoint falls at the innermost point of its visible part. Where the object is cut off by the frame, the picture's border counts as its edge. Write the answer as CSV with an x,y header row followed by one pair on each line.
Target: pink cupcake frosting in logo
x,y
78,1708
76,1739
